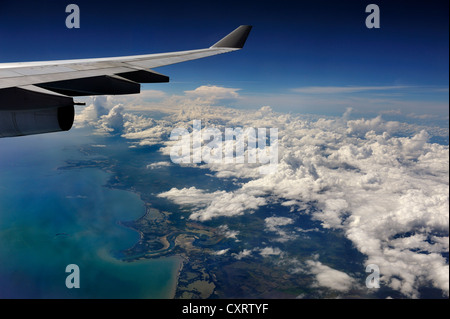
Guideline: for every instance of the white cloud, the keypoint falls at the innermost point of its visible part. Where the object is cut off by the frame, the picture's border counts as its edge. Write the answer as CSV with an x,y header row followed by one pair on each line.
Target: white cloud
x,y
189,196
214,204
113,121
345,89
93,112
364,181
329,277
361,126
274,224
221,252
228,232
159,164
242,254
389,195
212,93
270,251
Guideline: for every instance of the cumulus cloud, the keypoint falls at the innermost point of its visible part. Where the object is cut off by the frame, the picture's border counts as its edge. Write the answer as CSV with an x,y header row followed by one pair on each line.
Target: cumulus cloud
x,y
213,94
159,164
93,112
361,126
242,254
329,277
270,251
213,204
228,232
274,224
113,121
221,252
363,180
264,252
381,183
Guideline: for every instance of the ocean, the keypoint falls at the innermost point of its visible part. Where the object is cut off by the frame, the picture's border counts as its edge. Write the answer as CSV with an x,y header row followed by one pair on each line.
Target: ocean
x,y
51,218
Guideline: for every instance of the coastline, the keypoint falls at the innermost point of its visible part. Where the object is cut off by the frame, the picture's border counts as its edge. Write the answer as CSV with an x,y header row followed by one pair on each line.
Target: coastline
x,y
131,259
166,289
182,260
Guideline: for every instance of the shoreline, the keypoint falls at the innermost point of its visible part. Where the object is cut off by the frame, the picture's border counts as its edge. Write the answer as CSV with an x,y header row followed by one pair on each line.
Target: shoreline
x,y
147,206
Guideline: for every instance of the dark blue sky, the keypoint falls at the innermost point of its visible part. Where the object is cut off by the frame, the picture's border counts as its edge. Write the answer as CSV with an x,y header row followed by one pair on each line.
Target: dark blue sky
x,y
294,44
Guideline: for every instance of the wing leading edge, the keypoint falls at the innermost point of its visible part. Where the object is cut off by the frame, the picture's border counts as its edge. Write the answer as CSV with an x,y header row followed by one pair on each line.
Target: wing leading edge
x,y
34,94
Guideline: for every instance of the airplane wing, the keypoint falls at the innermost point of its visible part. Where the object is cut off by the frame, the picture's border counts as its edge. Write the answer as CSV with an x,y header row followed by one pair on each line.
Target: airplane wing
x,y
37,97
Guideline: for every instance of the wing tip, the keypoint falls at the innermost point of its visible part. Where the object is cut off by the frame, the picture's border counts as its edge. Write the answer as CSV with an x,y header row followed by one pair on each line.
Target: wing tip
x,y
236,39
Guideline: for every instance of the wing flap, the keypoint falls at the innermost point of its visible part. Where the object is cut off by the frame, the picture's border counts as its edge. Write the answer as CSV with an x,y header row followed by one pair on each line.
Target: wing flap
x,y
143,76
97,85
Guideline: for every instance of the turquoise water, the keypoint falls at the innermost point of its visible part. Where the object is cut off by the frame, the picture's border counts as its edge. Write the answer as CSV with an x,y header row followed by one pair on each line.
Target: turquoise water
x,y
50,218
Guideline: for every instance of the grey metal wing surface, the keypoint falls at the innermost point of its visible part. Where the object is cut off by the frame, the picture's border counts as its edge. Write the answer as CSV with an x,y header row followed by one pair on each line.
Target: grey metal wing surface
x,y
37,97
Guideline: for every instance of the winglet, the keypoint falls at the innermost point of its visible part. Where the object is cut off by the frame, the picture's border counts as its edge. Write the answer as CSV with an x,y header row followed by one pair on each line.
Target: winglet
x,y
235,39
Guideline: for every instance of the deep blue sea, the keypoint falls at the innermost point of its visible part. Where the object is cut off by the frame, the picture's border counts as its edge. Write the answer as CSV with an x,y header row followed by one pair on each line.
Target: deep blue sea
x,y
51,218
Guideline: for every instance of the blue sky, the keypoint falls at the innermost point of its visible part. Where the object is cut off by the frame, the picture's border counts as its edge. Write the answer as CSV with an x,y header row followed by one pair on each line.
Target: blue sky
x,y
300,56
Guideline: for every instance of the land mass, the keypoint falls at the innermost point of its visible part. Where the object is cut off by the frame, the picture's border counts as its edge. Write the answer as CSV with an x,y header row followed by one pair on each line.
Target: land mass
x,y
211,266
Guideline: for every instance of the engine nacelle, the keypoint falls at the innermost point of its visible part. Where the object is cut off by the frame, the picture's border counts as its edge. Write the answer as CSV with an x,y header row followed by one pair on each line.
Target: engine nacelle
x,y
28,122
